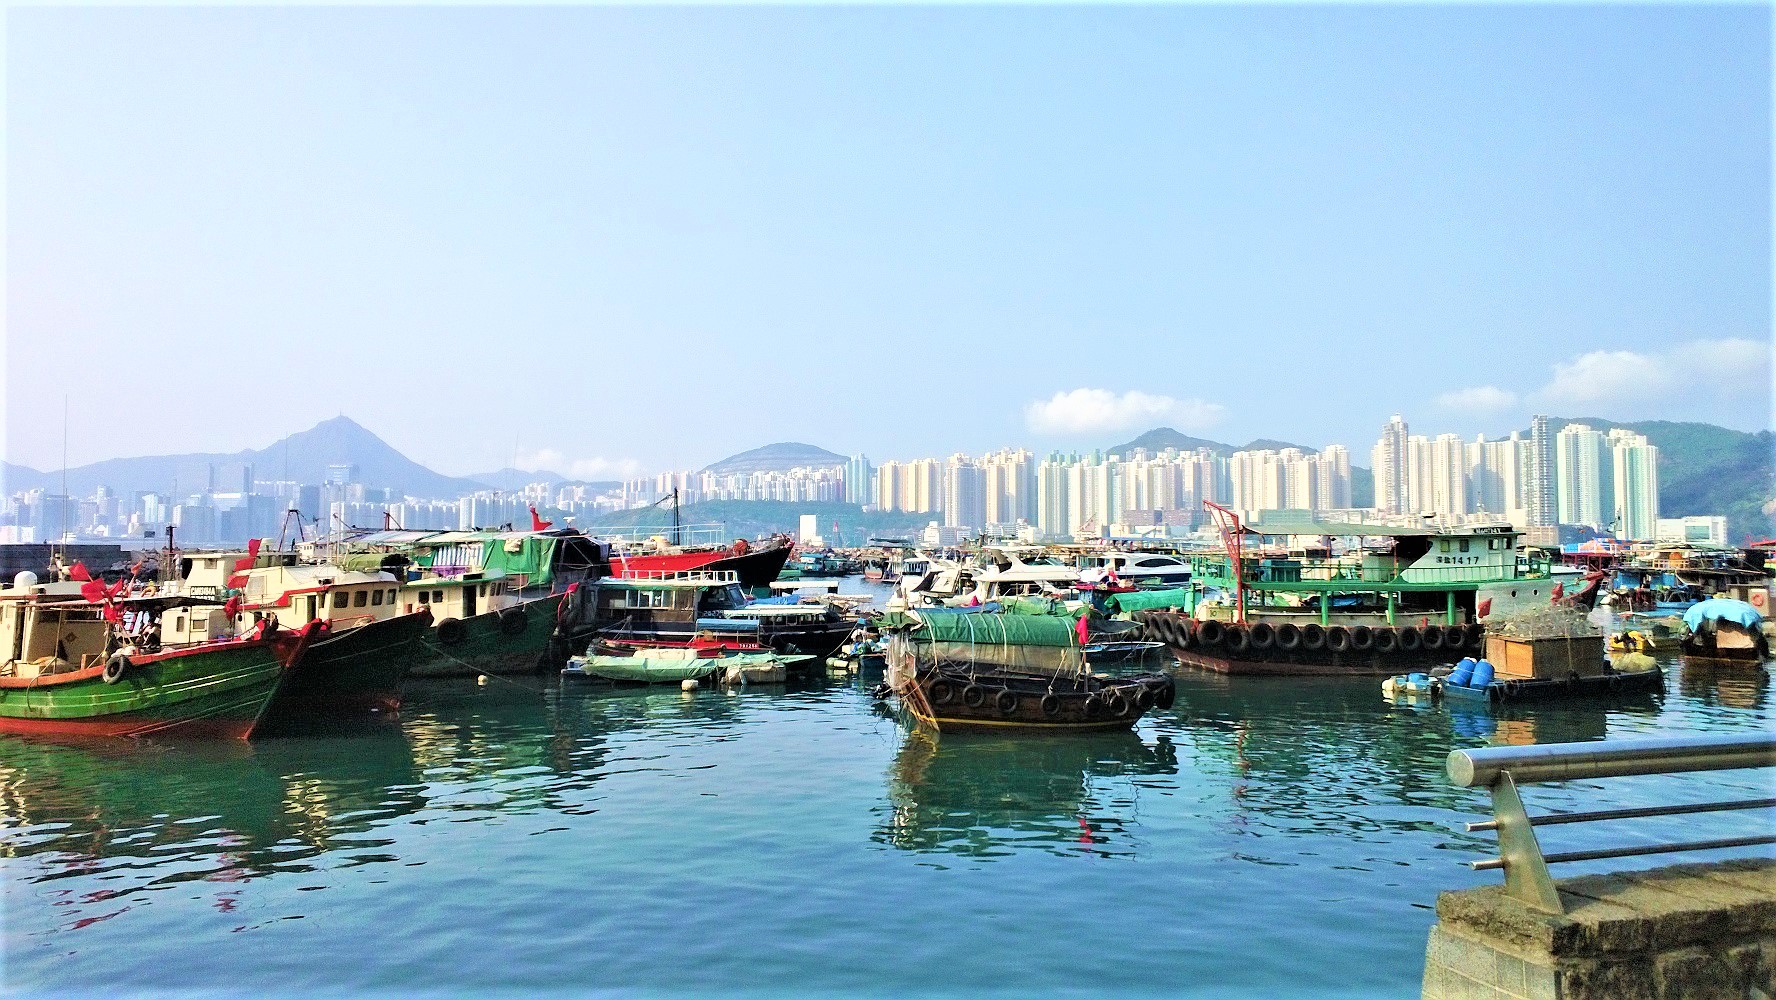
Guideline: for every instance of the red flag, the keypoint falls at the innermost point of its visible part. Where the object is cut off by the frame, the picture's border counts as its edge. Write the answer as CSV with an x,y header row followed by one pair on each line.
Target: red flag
x,y
1484,609
537,523
241,566
232,606
94,591
78,572
1082,628
119,590
1559,591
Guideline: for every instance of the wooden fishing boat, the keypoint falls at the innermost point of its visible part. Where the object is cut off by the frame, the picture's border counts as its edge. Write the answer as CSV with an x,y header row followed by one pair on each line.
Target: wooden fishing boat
x,y
1724,629
68,670
994,672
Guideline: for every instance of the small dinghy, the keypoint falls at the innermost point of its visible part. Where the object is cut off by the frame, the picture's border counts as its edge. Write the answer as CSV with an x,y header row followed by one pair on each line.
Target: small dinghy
x,y
680,664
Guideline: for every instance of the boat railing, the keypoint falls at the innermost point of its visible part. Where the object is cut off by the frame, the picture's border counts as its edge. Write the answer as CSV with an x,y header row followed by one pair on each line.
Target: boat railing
x,y
1501,769
701,577
710,533
1368,570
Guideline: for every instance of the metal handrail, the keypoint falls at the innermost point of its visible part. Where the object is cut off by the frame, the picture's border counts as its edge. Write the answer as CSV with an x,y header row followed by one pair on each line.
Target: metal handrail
x,y
1501,769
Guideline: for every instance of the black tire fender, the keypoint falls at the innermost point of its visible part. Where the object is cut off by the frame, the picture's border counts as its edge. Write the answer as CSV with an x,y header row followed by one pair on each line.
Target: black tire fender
x,y
974,696
1051,704
1006,701
115,668
942,691
452,631
513,621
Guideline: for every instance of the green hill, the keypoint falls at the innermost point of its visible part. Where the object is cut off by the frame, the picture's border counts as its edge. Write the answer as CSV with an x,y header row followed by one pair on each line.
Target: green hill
x,y
1704,469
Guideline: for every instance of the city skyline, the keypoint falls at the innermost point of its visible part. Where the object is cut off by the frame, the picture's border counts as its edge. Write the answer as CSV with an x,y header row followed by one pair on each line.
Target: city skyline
x,y
971,226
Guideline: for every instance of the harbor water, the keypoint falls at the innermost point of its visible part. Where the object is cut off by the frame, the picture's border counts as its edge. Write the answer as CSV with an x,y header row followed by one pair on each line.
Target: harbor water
x,y
1265,837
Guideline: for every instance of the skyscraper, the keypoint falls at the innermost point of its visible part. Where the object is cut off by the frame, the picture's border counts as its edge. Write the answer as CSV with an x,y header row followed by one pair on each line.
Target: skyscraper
x,y
1584,477
1390,459
857,480
1538,487
1635,480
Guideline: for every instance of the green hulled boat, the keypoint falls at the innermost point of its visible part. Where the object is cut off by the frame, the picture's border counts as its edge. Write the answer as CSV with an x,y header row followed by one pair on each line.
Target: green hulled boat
x,y
510,640
64,675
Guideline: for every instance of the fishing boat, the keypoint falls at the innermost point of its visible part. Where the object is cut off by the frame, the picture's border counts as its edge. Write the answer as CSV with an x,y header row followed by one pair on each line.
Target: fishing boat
x,y
1340,598
76,667
753,565
1003,672
674,665
677,607
365,643
494,596
1724,629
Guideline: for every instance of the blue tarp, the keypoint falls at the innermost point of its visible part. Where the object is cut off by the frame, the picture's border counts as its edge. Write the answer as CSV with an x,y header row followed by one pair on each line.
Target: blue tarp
x,y
1722,609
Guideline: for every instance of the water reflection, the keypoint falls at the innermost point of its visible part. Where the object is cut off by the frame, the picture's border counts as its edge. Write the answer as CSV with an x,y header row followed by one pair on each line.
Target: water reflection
x,y
1724,683
986,796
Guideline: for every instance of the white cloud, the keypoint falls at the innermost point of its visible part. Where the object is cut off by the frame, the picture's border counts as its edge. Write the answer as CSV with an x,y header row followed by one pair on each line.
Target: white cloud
x,y
1478,399
1699,371
1086,410
550,460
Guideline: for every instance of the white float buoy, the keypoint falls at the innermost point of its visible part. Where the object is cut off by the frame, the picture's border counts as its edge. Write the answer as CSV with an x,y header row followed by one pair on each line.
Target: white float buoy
x,y
688,684
481,680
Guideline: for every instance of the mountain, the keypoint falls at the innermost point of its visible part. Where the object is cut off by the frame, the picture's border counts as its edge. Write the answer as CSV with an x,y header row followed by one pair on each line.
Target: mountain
x,y
303,457
1704,469
780,457
1160,438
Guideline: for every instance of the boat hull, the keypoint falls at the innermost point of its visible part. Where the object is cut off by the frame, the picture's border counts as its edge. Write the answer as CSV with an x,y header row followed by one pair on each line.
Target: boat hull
x,y
754,568
1601,685
1324,652
218,692
1008,701
817,639
495,642
352,671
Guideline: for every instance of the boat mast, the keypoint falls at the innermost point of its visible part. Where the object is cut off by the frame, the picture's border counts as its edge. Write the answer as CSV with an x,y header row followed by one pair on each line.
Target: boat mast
x,y
1228,523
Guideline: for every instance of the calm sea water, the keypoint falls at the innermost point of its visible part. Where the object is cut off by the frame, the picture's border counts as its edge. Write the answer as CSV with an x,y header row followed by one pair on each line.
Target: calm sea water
x,y
1263,838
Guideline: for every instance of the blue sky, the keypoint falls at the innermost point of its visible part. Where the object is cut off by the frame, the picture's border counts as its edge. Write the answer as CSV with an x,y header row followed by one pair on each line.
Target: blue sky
x,y
610,239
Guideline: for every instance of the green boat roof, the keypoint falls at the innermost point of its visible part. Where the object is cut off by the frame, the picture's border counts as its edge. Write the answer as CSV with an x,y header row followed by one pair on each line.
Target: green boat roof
x,y
998,629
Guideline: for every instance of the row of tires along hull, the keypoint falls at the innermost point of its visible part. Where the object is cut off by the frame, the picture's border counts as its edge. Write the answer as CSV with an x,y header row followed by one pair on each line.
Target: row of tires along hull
x,y
1218,638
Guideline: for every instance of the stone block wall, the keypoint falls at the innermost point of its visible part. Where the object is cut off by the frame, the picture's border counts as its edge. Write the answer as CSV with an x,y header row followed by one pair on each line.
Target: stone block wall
x,y
1685,932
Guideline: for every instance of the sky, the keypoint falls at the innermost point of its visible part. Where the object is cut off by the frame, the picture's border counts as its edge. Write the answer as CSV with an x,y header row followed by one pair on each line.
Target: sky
x,y
609,240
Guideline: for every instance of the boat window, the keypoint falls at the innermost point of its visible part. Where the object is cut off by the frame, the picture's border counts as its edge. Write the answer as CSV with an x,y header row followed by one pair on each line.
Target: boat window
x,y
1443,546
1464,545
339,598
483,590
425,597
376,598
362,598
391,595
437,597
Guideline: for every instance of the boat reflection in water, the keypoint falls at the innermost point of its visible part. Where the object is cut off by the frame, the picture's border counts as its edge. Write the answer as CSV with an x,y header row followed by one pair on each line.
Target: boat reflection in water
x,y
1732,684
989,796
150,817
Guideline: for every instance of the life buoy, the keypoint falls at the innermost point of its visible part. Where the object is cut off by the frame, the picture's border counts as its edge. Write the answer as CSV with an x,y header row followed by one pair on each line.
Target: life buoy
x,y
1211,632
1288,635
974,696
1313,636
942,691
452,631
1759,599
1409,638
1386,641
1051,704
1362,637
1237,638
115,668
1431,637
1338,638
1006,701
513,621
1261,635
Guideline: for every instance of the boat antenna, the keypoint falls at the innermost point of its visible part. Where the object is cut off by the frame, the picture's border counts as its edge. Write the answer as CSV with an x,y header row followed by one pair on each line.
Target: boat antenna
x,y
675,524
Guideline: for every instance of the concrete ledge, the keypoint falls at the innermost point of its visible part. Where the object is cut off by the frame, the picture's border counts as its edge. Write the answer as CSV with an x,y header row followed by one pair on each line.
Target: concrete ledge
x,y
1683,931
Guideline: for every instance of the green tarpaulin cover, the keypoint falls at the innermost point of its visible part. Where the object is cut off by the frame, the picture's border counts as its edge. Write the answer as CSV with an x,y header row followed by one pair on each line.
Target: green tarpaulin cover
x,y
1041,606
1147,600
534,557
999,629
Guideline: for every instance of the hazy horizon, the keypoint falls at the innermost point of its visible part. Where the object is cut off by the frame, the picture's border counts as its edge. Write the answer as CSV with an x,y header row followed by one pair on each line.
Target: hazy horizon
x,y
635,240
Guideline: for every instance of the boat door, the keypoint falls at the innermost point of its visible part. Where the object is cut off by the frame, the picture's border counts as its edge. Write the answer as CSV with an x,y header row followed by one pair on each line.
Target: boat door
x,y
308,609
468,600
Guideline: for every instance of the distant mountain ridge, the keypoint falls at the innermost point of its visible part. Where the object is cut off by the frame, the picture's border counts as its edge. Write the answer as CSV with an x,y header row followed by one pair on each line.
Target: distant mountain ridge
x,y
303,457
1160,438
511,479
779,457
